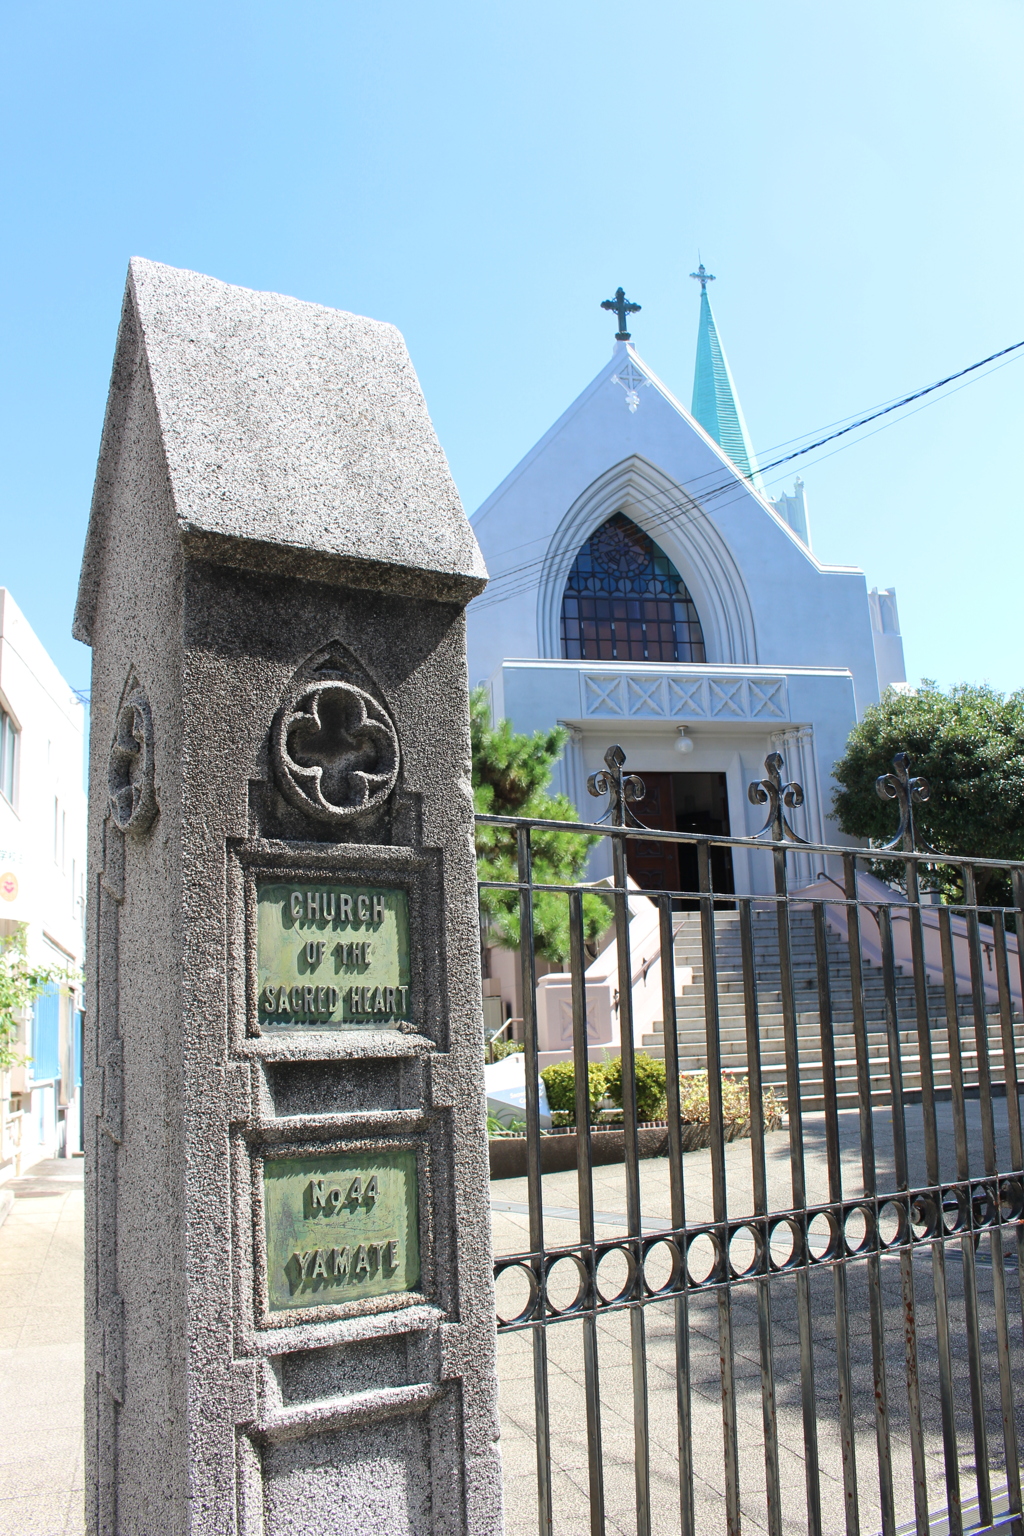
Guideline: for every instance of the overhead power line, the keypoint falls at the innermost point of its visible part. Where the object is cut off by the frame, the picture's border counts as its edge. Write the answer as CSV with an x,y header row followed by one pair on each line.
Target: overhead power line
x,y
519,578
896,405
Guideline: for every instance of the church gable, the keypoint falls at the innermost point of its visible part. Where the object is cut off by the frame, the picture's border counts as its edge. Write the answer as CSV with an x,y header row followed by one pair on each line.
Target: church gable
x,y
628,446
643,586
626,409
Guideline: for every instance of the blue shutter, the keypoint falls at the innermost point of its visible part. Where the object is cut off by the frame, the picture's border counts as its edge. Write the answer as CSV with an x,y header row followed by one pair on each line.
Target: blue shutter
x,y
46,1035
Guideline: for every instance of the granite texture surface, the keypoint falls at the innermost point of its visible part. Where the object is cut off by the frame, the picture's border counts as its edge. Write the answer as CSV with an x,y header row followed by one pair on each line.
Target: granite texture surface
x,y
295,437
246,432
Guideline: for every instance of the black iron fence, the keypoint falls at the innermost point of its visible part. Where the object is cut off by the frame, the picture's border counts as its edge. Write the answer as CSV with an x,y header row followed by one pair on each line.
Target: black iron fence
x,y
812,1325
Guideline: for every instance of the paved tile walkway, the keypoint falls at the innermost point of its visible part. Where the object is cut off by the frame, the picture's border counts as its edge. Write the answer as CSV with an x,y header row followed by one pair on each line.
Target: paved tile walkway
x,y
41,1366
41,1369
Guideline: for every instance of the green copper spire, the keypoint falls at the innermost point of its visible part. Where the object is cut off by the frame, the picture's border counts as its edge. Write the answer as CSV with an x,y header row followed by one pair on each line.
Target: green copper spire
x,y
714,395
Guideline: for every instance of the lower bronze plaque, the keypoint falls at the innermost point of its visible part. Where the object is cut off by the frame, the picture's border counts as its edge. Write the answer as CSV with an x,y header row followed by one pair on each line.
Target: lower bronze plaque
x,y
340,1227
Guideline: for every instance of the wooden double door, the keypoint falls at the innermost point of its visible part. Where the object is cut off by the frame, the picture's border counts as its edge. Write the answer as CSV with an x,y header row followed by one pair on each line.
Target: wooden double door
x,y
681,802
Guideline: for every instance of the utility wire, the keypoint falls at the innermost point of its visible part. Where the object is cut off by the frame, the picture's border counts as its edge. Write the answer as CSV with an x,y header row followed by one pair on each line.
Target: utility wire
x,y
882,409
511,549
496,593
906,400
887,424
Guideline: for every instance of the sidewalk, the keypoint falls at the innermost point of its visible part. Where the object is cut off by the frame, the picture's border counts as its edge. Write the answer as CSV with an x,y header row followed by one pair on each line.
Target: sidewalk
x,y
41,1365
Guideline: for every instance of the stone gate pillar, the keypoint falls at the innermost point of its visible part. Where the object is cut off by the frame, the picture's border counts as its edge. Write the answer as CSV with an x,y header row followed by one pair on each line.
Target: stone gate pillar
x,y
289,1307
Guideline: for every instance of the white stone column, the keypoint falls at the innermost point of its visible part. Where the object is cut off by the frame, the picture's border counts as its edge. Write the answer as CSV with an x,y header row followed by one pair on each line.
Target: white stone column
x,y
570,775
796,744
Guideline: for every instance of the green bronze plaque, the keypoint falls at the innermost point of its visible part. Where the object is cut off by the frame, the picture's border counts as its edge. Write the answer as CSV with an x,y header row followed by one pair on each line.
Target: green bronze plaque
x,y
332,956
341,1227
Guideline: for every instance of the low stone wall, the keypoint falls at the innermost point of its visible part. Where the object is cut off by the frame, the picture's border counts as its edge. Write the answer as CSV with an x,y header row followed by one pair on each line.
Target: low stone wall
x,y
558,1151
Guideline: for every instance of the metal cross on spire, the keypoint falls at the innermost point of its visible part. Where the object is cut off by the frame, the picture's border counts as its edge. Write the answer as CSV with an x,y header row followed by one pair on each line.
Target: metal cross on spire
x,y
703,277
622,307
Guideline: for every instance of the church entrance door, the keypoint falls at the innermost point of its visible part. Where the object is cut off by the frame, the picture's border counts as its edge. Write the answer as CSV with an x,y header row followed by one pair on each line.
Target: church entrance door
x,y
681,802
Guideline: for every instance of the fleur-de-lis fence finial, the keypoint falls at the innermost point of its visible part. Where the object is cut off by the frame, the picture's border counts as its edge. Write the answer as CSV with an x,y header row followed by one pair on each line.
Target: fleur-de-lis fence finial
x,y
773,793
620,788
899,786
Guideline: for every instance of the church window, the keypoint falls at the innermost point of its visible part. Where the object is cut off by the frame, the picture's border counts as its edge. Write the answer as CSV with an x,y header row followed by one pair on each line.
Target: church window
x,y
625,601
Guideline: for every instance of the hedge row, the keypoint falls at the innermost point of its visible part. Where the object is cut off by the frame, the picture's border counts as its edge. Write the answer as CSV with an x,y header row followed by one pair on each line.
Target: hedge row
x,y
651,1099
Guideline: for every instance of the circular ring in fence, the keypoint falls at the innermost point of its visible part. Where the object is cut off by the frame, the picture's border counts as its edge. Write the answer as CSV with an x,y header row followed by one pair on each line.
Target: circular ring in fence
x,y
1011,1200
704,1259
956,1211
892,1225
984,1206
565,1283
617,1267
925,1216
824,1237
515,1293
859,1229
785,1243
746,1252
663,1267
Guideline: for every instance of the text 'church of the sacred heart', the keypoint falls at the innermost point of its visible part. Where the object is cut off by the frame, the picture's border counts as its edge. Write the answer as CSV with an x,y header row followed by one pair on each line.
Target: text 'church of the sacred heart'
x,y
645,590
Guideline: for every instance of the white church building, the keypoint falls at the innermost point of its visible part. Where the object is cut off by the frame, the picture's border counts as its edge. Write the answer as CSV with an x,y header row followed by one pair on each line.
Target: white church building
x,y
646,590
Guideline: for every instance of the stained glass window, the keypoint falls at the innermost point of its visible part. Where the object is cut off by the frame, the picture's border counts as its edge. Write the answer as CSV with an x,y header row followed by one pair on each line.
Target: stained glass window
x,y
625,601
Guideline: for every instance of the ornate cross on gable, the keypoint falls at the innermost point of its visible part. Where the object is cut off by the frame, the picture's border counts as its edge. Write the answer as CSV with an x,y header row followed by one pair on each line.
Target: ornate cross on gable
x,y
622,307
630,378
703,277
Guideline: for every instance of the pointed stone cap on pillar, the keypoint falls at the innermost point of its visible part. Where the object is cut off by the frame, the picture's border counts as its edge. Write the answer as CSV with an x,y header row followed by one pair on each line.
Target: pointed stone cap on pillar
x,y
296,438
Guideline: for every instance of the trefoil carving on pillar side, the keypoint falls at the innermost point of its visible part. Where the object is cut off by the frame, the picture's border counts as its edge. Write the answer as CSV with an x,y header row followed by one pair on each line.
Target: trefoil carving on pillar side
x,y
131,776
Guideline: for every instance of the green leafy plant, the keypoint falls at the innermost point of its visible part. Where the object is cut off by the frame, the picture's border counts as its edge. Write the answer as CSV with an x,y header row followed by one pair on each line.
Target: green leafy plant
x,y
695,1100
511,774
649,1075
496,1127
560,1085
21,982
499,1049
969,745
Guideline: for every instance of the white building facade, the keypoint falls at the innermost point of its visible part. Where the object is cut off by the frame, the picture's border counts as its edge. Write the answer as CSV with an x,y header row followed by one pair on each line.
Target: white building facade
x,y
645,590
42,886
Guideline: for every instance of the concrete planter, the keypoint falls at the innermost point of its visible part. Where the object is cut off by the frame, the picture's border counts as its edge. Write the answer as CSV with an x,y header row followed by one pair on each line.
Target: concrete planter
x,y
558,1152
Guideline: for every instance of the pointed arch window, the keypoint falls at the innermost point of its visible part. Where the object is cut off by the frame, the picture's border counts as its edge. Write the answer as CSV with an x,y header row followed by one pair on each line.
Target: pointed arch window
x,y
625,601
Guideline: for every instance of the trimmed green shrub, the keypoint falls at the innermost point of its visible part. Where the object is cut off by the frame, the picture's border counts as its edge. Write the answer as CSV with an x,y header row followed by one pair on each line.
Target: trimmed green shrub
x,y
560,1085
695,1103
649,1075
499,1049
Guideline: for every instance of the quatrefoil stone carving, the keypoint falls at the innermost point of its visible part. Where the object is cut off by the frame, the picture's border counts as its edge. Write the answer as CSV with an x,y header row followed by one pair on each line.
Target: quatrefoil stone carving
x,y
335,751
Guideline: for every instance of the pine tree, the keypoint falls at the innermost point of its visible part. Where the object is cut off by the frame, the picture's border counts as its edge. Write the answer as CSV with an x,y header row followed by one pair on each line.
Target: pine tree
x,y
511,775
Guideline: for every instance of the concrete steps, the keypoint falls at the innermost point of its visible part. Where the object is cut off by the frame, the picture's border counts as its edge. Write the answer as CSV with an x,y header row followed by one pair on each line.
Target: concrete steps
x,y
691,1029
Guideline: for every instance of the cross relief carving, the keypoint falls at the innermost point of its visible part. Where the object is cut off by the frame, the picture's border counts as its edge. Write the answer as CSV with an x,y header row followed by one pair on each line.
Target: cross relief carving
x,y
665,696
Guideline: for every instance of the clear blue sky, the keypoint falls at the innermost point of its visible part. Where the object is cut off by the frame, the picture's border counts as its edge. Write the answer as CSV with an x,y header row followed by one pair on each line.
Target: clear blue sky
x,y
483,175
